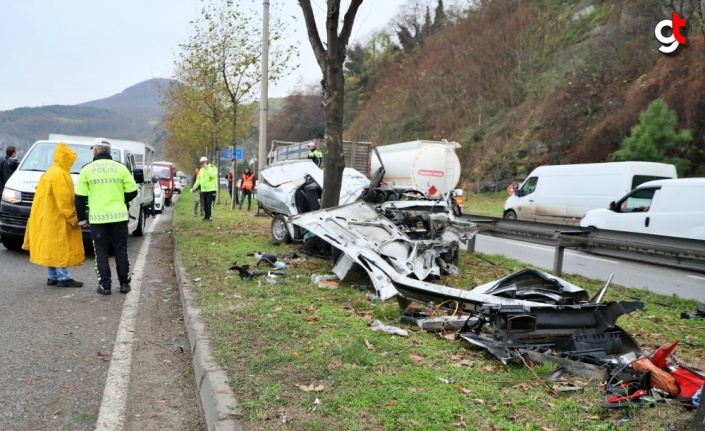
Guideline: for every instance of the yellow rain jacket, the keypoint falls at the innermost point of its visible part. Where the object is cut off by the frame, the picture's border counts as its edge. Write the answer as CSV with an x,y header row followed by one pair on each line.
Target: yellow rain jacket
x,y
53,236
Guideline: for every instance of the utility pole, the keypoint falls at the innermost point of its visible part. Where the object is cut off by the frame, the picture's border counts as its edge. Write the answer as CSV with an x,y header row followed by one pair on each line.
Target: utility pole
x,y
264,100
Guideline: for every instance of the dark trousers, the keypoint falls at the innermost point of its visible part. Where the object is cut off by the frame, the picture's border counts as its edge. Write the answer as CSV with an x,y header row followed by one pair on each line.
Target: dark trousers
x,y
105,235
208,199
247,193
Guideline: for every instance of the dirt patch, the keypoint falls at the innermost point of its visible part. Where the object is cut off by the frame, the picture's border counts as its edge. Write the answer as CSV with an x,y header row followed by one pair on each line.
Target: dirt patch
x,y
162,394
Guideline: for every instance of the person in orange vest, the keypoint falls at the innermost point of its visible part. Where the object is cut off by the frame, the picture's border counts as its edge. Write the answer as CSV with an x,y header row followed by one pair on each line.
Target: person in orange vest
x,y
247,184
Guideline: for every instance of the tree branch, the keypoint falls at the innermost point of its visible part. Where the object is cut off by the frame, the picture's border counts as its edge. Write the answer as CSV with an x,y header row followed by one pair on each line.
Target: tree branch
x,y
318,50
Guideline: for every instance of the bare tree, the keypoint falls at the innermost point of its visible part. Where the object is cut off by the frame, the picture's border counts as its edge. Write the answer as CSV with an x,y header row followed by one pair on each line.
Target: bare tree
x,y
330,61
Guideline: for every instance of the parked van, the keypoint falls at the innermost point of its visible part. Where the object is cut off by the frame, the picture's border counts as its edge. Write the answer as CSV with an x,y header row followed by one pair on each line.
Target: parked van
x,y
165,172
19,191
562,194
664,207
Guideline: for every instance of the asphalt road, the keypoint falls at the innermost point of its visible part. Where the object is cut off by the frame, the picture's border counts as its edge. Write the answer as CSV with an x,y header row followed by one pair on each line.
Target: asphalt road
x,y
58,345
659,279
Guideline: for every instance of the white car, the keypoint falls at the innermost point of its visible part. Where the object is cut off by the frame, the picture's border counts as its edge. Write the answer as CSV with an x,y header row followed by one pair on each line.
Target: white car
x,y
159,198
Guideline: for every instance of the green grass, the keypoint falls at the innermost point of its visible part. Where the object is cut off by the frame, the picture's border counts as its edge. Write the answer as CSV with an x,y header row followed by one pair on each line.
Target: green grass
x,y
491,204
289,344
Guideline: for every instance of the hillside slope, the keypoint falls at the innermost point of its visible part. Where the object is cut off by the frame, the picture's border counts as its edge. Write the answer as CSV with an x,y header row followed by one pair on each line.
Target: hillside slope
x,y
520,84
134,114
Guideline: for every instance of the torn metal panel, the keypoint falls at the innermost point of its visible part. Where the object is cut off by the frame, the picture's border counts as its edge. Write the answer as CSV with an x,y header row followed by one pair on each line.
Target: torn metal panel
x,y
362,233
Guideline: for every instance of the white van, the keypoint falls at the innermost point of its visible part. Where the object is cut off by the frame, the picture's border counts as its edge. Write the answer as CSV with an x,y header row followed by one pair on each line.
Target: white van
x,y
19,190
664,207
562,194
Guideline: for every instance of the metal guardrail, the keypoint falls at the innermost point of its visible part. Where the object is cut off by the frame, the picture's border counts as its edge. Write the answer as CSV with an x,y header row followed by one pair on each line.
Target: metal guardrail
x,y
654,249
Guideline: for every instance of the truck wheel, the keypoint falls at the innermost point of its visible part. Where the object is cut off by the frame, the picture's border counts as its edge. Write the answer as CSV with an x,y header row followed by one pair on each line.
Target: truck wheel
x,y
11,243
280,233
167,202
510,215
139,231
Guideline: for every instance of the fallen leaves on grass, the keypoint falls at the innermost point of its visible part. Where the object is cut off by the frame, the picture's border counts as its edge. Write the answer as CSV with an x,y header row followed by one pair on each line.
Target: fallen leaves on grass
x,y
416,357
311,388
369,345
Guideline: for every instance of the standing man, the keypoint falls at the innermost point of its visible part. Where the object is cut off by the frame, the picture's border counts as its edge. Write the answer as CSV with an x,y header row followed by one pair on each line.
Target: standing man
x,y
107,186
314,154
229,179
8,166
247,184
53,236
207,181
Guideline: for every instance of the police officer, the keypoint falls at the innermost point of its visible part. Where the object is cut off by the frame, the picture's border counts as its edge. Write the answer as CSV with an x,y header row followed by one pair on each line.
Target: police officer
x,y
314,154
207,181
106,186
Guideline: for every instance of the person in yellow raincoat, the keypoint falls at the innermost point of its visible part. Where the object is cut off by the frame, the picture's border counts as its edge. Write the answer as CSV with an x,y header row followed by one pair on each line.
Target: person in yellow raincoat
x,y
53,236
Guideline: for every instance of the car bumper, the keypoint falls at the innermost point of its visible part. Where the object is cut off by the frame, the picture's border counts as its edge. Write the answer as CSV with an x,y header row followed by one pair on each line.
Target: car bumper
x,y
13,221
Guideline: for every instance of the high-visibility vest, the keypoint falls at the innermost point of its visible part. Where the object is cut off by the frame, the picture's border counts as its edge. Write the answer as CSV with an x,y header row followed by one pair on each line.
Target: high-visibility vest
x,y
105,182
247,181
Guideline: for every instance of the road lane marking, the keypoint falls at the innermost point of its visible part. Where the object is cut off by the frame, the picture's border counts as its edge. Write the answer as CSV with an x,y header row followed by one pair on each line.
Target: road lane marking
x,y
549,249
694,276
112,408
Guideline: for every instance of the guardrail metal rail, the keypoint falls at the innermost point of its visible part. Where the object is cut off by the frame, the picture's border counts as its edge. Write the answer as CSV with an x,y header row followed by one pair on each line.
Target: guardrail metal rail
x,y
654,249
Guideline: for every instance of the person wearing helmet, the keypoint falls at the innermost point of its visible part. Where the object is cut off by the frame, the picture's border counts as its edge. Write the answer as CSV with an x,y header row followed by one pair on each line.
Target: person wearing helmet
x,y
207,181
314,154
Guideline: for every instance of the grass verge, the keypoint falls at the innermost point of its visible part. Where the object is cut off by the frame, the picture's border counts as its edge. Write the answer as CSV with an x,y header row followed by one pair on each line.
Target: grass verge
x,y
303,358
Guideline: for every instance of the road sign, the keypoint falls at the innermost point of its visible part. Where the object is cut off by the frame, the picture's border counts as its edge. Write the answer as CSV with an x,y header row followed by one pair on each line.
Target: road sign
x,y
238,153
226,154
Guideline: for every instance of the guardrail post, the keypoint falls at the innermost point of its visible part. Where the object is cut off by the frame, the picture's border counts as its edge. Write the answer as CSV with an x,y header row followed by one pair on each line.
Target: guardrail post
x,y
558,260
470,248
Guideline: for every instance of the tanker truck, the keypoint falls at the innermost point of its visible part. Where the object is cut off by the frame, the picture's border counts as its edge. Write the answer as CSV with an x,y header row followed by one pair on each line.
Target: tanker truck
x,y
431,167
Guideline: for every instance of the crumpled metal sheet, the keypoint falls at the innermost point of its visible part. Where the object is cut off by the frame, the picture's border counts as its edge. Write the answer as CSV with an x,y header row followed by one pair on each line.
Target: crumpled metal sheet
x,y
363,234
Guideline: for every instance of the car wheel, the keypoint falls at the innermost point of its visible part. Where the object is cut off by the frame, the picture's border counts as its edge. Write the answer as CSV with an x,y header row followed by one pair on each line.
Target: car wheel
x,y
280,232
139,231
11,243
510,215
591,230
167,202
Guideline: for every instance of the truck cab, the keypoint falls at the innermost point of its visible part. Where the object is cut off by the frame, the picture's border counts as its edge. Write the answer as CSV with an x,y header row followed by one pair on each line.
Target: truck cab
x,y
19,191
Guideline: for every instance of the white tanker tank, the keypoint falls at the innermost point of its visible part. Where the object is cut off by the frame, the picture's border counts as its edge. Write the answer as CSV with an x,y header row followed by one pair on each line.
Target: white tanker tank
x,y
428,166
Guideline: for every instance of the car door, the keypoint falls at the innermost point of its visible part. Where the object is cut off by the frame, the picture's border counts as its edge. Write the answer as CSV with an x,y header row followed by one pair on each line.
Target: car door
x,y
633,212
526,205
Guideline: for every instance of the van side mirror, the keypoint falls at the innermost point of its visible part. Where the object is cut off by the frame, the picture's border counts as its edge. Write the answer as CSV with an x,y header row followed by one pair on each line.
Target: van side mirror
x,y
613,206
138,175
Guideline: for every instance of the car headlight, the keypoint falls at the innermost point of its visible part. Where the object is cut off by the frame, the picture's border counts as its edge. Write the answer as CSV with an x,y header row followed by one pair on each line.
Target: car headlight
x,y
11,196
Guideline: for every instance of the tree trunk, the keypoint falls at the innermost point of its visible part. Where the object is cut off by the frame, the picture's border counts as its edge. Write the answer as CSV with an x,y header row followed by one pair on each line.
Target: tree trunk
x,y
333,160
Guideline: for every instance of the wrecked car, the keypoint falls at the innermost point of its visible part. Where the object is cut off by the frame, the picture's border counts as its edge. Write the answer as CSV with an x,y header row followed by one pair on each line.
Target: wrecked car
x,y
529,307
294,187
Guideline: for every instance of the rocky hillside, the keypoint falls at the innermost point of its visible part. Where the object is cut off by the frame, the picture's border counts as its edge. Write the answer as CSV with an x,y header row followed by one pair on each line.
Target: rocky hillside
x,y
523,83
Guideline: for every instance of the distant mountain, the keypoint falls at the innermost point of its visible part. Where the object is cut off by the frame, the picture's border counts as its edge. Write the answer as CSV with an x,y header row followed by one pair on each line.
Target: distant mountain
x,y
144,97
134,114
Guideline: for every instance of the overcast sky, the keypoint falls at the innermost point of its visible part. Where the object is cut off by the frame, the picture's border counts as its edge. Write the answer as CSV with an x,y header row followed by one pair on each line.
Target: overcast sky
x,y
64,52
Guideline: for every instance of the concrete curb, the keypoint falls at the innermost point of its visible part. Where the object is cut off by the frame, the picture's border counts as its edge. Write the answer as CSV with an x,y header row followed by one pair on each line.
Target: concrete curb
x,y
217,398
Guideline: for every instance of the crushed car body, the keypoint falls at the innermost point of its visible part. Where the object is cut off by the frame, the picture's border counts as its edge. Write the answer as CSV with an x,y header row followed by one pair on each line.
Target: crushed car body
x,y
526,308
361,232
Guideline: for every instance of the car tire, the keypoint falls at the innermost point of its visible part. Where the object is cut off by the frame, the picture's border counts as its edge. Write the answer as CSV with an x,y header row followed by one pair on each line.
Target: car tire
x,y
11,243
510,215
167,202
139,231
280,232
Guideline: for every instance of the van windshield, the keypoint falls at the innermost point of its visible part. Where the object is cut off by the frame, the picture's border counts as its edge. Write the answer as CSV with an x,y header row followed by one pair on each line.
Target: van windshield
x,y
41,157
162,172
